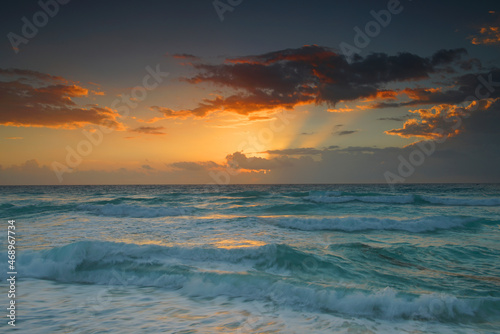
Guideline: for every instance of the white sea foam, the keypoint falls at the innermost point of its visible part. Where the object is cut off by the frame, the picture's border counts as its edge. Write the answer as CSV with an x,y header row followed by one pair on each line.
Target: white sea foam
x,y
62,262
99,263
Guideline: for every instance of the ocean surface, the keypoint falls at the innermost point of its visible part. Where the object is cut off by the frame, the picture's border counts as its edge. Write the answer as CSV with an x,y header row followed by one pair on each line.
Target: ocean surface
x,y
254,258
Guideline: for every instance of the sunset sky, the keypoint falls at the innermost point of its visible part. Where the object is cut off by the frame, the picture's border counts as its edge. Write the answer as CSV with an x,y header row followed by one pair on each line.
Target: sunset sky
x,y
159,92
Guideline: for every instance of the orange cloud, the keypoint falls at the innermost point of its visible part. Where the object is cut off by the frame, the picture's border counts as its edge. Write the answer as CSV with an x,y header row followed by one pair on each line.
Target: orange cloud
x,y
487,36
440,121
34,99
421,94
340,110
240,104
258,118
383,95
356,108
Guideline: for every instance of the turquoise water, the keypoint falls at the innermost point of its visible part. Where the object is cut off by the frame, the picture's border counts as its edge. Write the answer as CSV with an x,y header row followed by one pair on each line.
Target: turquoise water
x,y
255,259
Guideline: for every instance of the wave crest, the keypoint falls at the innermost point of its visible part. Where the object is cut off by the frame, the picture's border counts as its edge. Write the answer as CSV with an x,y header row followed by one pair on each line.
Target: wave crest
x,y
134,211
351,224
119,264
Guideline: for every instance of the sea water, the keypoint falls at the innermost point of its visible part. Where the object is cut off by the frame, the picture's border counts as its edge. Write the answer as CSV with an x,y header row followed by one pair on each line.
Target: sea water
x,y
254,258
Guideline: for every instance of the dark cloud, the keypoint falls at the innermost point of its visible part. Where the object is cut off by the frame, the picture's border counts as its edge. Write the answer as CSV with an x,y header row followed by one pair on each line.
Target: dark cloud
x,y
444,57
239,160
32,98
185,56
346,132
194,166
296,151
310,74
22,74
463,88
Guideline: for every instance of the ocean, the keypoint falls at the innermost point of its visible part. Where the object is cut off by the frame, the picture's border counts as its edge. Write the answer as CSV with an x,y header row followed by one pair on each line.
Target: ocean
x,y
254,258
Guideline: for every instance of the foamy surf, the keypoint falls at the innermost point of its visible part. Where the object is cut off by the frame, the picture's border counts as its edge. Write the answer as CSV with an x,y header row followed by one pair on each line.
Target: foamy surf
x,y
243,276
251,259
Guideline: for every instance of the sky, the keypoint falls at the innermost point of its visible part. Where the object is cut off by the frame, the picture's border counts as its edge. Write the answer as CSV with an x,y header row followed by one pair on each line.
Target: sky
x,y
240,91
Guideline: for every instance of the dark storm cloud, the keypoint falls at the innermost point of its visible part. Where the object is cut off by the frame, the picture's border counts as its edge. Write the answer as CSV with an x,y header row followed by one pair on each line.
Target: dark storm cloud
x,y
463,88
310,74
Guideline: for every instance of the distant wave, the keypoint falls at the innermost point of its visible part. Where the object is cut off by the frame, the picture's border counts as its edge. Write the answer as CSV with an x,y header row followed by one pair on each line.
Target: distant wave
x,y
321,193
403,199
134,211
248,193
462,201
10,209
119,264
351,224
